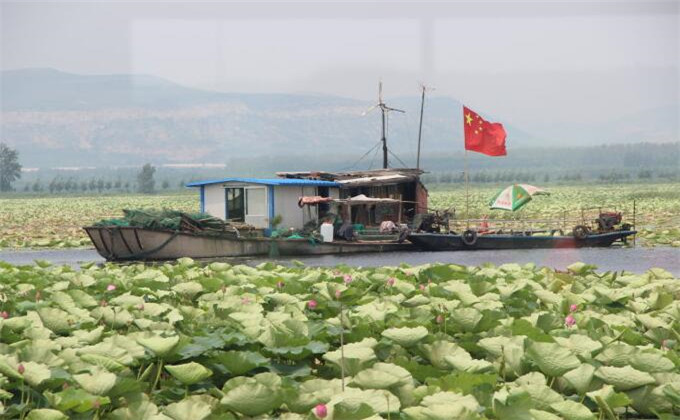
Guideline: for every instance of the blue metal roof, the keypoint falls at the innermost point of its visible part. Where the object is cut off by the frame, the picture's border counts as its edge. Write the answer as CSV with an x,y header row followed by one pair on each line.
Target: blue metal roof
x,y
270,181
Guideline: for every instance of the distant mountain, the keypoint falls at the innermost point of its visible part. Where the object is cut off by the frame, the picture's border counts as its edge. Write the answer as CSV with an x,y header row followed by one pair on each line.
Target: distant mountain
x,y
61,119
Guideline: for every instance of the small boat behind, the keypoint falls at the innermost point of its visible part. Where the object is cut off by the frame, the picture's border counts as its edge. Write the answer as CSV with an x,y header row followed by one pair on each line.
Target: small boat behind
x,y
469,240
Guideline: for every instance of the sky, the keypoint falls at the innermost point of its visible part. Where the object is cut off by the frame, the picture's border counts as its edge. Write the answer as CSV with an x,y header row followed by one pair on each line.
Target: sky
x,y
536,63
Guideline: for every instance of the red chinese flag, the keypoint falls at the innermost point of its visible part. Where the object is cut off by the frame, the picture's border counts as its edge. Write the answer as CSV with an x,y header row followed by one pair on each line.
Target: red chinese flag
x,y
483,136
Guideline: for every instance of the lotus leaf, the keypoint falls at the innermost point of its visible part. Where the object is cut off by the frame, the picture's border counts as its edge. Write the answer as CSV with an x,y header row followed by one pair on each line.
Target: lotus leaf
x,y
46,414
570,410
623,378
195,407
189,373
383,376
158,344
99,382
580,378
405,336
552,359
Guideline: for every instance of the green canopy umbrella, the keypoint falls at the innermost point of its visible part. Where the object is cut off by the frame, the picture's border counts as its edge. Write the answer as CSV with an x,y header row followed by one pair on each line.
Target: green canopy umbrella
x,y
514,197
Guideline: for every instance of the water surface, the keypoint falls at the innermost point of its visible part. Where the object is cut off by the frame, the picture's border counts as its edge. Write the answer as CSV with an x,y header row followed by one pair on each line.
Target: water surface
x,y
637,260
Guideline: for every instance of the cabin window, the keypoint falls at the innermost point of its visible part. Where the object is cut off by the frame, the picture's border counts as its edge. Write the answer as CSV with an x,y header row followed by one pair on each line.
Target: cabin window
x,y
256,201
235,204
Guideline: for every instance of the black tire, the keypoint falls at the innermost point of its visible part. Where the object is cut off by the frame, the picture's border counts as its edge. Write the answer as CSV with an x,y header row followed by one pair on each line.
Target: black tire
x,y
469,237
580,232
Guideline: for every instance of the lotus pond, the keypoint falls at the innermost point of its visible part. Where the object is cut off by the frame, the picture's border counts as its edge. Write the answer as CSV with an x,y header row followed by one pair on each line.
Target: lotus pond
x,y
188,341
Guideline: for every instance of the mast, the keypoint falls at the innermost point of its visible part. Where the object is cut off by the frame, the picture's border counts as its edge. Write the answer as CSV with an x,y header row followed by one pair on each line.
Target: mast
x,y
384,111
420,126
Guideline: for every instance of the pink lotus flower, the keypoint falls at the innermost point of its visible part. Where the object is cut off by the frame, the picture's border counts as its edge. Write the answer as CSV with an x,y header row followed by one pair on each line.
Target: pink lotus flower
x,y
569,321
338,293
245,300
347,278
103,303
38,295
111,287
573,308
390,281
664,345
4,314
279,284
440,319
140,306
21,369
311,304
422,287
321,411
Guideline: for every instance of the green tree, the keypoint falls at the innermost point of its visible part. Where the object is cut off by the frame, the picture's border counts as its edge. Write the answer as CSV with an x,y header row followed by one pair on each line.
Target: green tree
x,y
145,181
10,169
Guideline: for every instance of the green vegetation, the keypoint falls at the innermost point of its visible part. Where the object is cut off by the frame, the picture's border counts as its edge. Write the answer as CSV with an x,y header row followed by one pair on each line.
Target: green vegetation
x,y
56,222
186,341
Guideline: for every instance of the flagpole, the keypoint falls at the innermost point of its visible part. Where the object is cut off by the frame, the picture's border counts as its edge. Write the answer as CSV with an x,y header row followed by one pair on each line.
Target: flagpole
x,y
467,193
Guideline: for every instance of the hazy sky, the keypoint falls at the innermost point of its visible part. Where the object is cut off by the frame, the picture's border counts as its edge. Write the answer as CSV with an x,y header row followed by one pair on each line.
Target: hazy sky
x,y
532,62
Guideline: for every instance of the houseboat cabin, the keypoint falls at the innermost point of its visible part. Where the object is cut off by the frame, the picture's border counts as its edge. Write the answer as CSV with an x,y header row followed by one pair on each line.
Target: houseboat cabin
x,y
256,201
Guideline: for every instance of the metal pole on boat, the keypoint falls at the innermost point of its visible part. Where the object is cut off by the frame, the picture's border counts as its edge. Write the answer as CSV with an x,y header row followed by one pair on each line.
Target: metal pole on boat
x,y
467,193
420,127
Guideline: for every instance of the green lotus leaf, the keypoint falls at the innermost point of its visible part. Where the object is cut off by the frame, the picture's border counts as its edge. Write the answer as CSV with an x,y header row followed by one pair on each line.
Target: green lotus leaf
x,y
240,362
417,300
444,406
623,378
83,299
357,356
252,398
542,395
542,415
570,410
89,337
617,354
189,288
437,351
466,318
552,359
495,345
158,344
17,323
383,376
75,399
461,360
127,301
46,414
380,400
648,400
462,291
512,405
107,363
313,392
580,378
651,360
608,400
36,373
405,336
56,320
138,407
580,344
99,382
195,407
8,366
189,373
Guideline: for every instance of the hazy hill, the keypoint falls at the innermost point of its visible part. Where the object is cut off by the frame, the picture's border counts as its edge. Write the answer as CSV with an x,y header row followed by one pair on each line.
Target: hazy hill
x,y
61,119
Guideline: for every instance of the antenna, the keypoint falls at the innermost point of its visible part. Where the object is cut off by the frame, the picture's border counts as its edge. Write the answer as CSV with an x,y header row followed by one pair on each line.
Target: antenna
x,y
384,110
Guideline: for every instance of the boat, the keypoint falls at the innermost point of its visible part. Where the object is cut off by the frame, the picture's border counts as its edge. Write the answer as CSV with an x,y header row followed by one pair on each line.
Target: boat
x,y
129,243
470,240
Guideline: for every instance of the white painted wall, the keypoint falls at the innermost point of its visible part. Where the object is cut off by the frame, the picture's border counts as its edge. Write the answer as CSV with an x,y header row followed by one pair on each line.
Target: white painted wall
x,y
215,203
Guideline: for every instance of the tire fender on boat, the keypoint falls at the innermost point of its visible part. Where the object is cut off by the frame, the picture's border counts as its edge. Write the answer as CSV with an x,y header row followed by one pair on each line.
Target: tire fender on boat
x,y
469,237
580,232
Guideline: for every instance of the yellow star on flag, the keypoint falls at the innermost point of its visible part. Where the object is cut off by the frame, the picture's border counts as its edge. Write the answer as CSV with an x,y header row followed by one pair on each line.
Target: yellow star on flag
x,y
468,119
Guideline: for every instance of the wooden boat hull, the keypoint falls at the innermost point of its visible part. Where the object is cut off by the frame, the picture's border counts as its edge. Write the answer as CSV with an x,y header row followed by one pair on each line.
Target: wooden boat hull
x,y
451,242
132,243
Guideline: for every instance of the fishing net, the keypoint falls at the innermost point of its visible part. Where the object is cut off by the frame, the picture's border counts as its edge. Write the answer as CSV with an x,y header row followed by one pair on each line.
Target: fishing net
x,y
166,220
